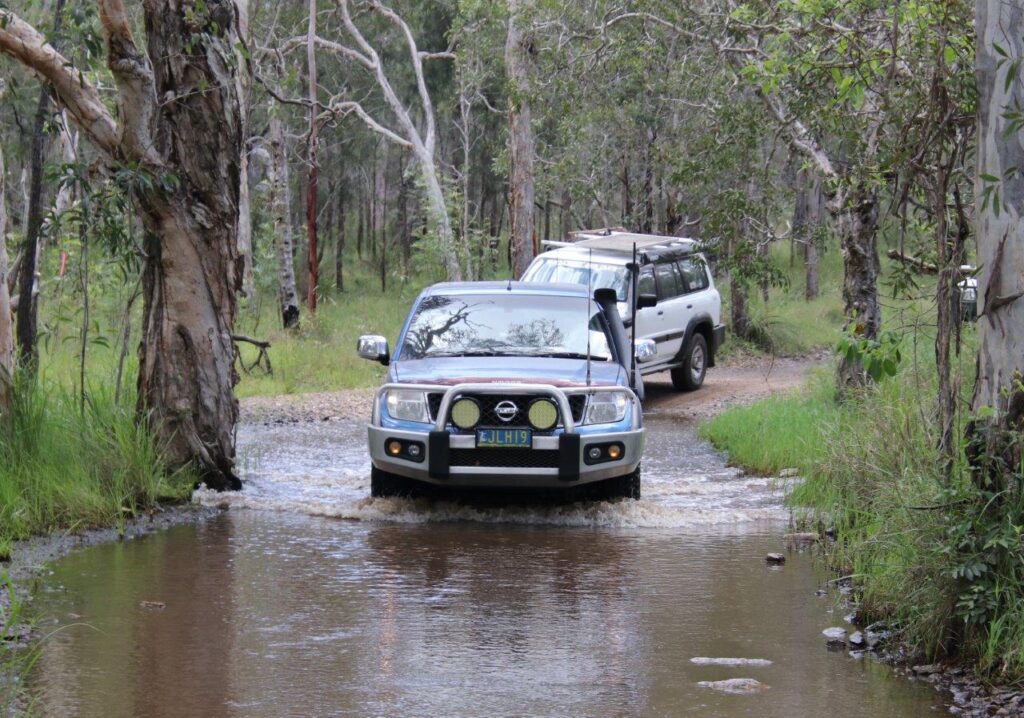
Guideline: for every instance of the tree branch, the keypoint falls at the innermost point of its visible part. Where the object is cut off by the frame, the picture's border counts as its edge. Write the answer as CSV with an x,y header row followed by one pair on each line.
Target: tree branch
x,y
27,45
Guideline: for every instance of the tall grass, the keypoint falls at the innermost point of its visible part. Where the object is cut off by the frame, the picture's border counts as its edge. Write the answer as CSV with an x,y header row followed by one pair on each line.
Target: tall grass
x,y
66,469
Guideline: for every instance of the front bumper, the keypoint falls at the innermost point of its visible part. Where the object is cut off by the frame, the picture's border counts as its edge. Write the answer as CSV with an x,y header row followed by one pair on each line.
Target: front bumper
x,y
452,459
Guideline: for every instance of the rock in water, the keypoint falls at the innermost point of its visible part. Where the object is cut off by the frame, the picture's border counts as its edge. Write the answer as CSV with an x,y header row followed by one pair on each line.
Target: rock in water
x,y
789,472
857,639
703,661
741,686
835,638
775,558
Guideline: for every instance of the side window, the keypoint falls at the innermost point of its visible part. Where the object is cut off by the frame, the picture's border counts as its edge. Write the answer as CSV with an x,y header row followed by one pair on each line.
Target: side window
x,y
645,282
695,274
668,283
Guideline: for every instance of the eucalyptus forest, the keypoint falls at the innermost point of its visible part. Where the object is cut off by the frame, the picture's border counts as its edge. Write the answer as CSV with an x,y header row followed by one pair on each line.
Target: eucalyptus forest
x,y
203,201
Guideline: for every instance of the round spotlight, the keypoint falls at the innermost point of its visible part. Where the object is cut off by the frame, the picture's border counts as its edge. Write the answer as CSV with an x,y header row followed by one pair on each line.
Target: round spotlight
x,y
543,414
594,452
394,448
414,450
465,413
614,451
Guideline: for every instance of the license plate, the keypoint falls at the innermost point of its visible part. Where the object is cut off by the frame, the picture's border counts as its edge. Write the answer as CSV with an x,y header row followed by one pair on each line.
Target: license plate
x,y
503,438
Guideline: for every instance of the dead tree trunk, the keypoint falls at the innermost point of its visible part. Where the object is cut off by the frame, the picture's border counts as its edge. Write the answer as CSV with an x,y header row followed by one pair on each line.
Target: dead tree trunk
x,y
280,202
994,436
518,49
313,146
339,245
6,334
28,281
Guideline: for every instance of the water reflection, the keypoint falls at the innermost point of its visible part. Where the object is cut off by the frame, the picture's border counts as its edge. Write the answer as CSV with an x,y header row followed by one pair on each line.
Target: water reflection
x,y
271,614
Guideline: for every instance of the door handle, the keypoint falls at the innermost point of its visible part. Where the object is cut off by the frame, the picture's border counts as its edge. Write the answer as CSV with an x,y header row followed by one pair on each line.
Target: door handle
x,y
660,312
689,306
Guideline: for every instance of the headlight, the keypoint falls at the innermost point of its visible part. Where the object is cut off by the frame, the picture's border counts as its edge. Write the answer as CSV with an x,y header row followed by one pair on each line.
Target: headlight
x,y
606,408
408,405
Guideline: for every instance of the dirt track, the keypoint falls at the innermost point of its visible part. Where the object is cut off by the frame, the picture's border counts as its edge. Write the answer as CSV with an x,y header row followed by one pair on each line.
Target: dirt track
x,y
725,386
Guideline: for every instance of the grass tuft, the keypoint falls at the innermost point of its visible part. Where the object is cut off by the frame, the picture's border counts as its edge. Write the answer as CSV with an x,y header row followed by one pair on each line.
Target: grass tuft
x,y
65,469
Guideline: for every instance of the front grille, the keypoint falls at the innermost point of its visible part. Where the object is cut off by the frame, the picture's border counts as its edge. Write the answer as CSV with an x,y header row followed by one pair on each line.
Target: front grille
x,y
488,402
512,458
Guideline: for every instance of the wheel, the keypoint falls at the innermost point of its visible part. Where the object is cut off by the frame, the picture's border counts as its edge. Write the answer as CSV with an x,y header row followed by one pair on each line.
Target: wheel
x,y
384,484
690,375
621,487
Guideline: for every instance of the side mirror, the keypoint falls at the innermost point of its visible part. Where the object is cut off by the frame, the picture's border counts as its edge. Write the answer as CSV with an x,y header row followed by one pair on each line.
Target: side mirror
x,y
374,347
646,300
645,349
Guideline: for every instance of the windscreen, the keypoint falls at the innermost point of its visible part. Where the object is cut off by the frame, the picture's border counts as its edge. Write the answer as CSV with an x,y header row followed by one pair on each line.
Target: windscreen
x,y
599,276
500,325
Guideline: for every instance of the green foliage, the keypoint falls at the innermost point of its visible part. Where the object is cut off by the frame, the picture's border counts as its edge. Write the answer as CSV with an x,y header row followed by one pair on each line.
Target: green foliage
x,y
936,555
16,660
64,470
879,357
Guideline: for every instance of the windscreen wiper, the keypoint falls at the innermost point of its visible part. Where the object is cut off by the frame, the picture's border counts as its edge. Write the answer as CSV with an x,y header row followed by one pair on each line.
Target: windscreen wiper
x,y
568,355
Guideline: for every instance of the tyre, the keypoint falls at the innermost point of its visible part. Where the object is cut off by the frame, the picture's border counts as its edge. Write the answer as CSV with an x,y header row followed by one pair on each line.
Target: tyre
x,y
690,375
384,485
621,487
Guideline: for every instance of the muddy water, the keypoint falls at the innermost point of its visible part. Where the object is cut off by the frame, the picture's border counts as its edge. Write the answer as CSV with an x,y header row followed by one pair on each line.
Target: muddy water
x,y
418,609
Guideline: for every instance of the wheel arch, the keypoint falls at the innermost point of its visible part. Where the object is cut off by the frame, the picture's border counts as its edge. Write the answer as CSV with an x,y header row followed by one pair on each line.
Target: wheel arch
x,y
704,324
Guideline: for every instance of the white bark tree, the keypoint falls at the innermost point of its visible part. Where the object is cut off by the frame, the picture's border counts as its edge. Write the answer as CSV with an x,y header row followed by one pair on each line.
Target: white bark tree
x,y
999,393
189,143
423,144
280,203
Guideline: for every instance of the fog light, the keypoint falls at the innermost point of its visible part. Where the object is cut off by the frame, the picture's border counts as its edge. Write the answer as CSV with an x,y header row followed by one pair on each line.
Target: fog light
x,y
614,451
414,451
465,413
594,452
543,414
394,448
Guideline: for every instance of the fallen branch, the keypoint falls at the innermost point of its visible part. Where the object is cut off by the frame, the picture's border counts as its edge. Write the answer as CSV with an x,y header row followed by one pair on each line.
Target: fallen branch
x,y
262,360
919,264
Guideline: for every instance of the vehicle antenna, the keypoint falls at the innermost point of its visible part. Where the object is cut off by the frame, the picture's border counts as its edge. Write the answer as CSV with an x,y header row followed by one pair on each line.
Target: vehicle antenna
x,y
590,276
632,364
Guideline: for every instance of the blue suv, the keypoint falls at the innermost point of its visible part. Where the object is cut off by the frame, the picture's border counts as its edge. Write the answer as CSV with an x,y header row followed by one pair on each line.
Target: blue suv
x,y
508,385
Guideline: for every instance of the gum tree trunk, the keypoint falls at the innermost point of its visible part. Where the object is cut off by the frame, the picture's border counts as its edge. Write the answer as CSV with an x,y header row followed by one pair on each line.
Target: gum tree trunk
x,y
280,193
995,446
521,144
194,269
858,227
188,145
808,214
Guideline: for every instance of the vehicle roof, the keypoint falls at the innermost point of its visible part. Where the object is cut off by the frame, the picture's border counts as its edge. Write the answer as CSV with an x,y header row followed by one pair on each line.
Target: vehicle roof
x,y
616,247
506,287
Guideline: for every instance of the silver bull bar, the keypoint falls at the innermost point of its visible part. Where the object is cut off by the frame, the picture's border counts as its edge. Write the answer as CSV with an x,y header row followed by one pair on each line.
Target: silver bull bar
x,y
559,394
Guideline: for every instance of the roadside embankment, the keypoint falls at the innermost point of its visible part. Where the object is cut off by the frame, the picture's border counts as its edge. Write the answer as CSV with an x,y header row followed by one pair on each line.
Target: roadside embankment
x,y
931,553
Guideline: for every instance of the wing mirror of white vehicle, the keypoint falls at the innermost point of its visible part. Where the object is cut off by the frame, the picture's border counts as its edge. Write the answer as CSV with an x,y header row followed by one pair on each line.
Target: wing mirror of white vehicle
x,y
646,300
374,347
645,349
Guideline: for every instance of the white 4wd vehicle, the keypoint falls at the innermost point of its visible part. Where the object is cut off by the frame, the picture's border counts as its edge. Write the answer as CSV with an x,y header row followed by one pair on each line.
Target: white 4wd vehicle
x,y
679,307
